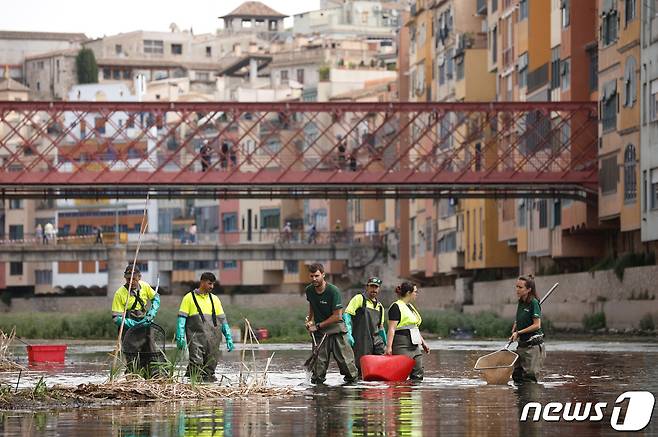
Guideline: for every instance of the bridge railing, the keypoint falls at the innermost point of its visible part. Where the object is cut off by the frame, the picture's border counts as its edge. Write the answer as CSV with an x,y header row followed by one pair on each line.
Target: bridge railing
x,y
268,236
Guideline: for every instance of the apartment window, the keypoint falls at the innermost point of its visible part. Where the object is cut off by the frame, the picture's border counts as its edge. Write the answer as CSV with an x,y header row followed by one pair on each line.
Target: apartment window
x,y
564,9
653,101
116,74
15,268
107,73
629,10
229,265
494,44
99,125
177,49
40,65
291,267
609,106
15,204
609,27
284,76
208,51
630,82
16,232
522,214
609,175
593,68
118,49
565,74
494,5
654,188
555,67
154,46
203,76
630,179
442,72
450,64
43,277
230,222
300,75
270,218
459,67
412,237
543,213
523,70
523,10
557,213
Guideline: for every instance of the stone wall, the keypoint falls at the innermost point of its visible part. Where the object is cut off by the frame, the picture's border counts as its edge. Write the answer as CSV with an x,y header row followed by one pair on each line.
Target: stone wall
x,y
623,302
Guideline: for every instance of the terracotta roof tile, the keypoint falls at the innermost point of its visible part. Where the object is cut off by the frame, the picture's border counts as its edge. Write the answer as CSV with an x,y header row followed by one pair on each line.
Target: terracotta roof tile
x,y
56,36
254,9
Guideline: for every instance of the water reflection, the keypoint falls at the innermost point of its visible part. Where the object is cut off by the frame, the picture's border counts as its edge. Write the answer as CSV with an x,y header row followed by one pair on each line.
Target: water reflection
x,y
452,400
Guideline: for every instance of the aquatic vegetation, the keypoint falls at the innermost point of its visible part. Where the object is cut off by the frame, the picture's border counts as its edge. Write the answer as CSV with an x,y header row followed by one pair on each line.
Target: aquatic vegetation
x,y
6,363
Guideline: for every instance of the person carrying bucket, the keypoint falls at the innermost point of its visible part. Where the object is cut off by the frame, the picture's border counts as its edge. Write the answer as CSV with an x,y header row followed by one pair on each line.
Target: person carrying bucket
x,y
364,320
326,325
138,343
527,331
404,336
201,320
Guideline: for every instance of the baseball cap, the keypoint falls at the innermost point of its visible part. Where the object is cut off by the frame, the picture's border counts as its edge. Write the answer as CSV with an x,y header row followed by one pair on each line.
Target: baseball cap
x,y
374,280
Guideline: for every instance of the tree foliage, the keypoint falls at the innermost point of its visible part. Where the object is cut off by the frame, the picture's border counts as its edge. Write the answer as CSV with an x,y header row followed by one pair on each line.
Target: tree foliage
x,y
86,65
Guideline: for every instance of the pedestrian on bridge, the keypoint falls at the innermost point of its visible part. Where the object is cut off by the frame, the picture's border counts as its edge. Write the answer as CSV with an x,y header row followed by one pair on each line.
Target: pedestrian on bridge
x,y
201,323
38,233
325,323
134,297
404,336
48,232
364,320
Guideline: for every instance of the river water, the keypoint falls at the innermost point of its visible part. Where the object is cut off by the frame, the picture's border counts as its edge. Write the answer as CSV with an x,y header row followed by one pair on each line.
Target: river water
x,y
452,400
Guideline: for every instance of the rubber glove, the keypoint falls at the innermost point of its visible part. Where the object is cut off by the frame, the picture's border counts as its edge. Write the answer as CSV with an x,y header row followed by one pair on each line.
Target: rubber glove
x,y
382,335
180,333
130,323
226,330
348,323
151,313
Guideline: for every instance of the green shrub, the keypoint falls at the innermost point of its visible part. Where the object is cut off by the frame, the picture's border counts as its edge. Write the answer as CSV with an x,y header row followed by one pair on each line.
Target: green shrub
x,y
592,322
647,323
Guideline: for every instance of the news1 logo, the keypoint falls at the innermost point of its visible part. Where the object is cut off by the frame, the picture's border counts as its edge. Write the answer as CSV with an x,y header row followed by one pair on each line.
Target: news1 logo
x,y
638,412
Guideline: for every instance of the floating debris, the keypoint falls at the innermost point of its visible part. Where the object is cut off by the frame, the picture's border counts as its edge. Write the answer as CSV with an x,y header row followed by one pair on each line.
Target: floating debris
x,y
6,363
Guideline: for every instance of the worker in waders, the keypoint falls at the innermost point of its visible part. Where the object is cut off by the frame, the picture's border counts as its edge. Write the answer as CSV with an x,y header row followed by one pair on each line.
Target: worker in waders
x,y
404,336
527,331
137,341
201,321
364,320
325,323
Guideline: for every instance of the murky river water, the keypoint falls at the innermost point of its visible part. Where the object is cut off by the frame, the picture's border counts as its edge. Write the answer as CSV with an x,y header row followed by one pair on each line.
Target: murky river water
x,y
452,400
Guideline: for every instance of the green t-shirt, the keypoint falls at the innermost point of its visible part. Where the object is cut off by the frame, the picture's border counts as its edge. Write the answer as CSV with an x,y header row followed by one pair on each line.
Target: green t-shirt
x,y
325,303
525,312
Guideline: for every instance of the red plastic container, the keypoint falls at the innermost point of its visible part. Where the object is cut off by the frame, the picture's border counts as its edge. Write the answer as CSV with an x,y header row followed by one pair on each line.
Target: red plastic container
x,y
262,333
46,353
386,367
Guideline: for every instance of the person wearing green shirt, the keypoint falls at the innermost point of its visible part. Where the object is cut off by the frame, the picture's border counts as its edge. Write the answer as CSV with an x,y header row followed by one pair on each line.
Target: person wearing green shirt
x,y
201,320
527,331
325,318
137,338
364,320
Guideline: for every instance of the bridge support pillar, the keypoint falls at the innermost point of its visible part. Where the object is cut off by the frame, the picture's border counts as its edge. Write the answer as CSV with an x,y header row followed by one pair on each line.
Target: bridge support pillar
x,y
116,263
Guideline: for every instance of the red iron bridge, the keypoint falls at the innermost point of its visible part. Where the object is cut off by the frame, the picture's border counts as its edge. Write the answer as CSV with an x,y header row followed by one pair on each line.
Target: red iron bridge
x,y
298,149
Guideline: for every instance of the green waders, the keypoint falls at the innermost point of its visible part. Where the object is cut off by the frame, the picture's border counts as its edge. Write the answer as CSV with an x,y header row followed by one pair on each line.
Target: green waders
x,y
203,340
138,345
530,362
402,345
365,327
336,344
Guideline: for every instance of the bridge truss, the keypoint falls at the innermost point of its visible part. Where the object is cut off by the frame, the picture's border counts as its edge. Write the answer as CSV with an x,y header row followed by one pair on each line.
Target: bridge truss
x,y
297,149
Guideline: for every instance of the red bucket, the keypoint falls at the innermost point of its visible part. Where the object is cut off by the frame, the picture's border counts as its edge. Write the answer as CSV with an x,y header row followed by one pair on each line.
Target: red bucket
x,y
46,353
386,367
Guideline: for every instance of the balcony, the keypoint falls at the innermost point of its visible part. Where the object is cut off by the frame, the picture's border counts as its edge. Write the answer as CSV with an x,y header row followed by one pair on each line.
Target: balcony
x,y
481,7
537,78
508,57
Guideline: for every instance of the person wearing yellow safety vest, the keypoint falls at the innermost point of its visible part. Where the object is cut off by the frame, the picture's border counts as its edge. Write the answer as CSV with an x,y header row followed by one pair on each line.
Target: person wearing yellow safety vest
x,y
364,320
201,320
137,340
404,336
